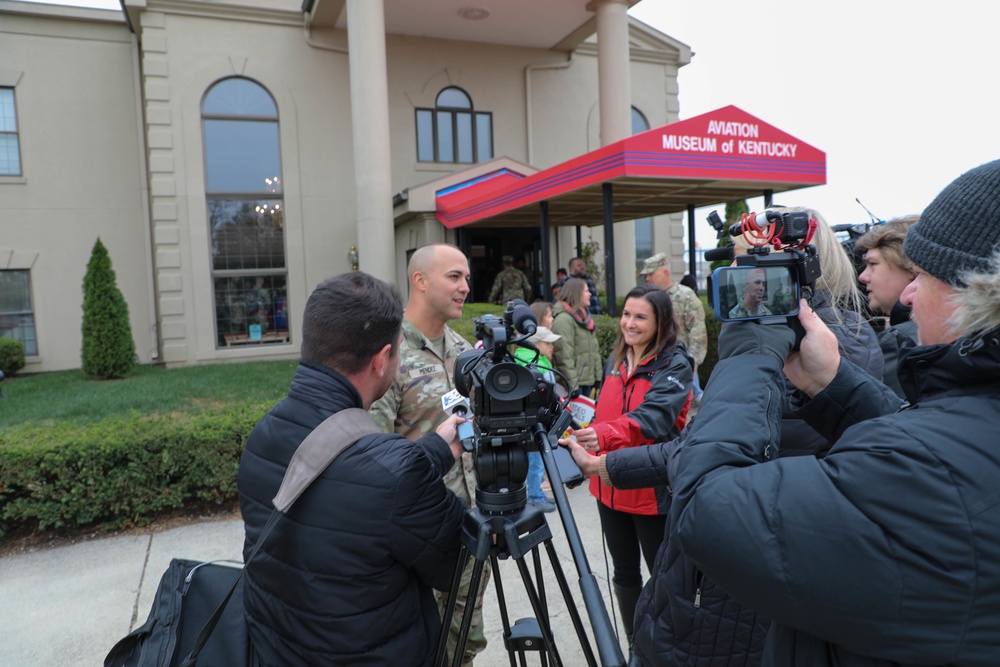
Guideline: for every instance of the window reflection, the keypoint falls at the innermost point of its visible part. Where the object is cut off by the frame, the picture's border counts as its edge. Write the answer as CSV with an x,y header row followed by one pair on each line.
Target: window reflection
x,y
453,131
10,148
246,214
17,318
242,156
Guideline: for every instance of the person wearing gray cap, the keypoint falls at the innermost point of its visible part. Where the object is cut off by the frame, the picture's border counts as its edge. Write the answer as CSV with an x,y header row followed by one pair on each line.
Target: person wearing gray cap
x,y
688,310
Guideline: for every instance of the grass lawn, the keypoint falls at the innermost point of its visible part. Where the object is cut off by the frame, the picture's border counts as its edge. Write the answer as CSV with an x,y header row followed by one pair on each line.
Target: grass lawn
x,y
68,396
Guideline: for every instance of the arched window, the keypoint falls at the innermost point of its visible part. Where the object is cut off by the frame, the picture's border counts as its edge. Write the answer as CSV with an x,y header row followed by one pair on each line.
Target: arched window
x,y
643,226
246,213
453,131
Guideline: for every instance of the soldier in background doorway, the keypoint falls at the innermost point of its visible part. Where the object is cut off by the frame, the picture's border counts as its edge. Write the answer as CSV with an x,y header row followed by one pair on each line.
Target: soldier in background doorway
x,y
510,284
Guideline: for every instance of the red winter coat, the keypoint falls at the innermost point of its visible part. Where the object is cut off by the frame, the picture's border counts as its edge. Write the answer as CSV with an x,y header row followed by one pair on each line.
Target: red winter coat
x,y
651,405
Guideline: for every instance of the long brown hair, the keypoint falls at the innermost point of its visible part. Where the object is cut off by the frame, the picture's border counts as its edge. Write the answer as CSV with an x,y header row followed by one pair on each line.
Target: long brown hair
x,y
666,325
571,293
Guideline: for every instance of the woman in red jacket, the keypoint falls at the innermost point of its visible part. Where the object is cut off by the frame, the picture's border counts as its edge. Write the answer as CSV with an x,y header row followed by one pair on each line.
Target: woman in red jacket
x,y
644,399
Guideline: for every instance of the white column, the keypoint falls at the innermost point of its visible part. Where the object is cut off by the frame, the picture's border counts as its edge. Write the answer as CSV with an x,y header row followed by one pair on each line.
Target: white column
x,y
370,129
615,90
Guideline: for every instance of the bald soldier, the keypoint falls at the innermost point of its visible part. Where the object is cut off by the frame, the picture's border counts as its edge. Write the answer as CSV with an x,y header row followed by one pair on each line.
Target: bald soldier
x,y
754,291
439,284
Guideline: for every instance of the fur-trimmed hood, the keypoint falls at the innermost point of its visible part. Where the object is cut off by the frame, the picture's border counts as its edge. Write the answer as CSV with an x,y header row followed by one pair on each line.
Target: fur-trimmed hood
x,y
979,303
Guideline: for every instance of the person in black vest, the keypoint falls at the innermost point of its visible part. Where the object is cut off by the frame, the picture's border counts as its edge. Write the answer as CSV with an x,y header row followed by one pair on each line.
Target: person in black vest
x,y
347,576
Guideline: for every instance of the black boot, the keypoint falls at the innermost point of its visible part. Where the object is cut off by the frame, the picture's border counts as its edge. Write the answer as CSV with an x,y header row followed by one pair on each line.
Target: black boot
x,y
627,597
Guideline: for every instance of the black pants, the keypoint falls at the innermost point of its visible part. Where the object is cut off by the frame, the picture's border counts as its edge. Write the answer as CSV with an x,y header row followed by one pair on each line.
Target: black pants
x,y
628,534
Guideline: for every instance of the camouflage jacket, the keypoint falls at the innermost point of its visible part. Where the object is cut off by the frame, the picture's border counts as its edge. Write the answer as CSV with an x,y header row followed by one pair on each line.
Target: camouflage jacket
x,y
690,314
412,405
510,284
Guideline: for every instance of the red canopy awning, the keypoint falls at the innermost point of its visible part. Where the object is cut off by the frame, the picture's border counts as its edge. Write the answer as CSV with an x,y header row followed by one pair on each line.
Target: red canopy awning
x,y
720,156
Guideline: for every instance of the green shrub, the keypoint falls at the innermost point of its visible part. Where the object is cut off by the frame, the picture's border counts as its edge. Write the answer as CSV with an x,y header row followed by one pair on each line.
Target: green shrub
x,y
11,356
108,349
120,472
712,326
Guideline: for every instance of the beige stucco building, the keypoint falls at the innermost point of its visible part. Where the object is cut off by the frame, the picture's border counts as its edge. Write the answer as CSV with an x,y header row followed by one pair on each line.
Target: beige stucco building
x,y
231,154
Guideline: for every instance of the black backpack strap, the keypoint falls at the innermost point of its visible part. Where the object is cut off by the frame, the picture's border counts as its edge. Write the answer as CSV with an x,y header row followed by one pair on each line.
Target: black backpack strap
x,y
325,443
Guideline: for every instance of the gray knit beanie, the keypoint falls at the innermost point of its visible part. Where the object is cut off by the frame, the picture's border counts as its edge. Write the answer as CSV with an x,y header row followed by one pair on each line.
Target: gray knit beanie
x,y
960,229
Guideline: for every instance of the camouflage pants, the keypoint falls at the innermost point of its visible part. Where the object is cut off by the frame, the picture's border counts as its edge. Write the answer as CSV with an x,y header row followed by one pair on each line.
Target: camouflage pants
x,y
476,641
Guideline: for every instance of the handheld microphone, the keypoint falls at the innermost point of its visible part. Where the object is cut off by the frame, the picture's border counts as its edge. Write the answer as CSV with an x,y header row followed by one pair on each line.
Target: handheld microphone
x,y
454,403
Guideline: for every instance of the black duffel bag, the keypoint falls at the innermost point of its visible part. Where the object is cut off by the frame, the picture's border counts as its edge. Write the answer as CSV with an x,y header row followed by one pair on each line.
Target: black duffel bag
x,y
189,593
197,616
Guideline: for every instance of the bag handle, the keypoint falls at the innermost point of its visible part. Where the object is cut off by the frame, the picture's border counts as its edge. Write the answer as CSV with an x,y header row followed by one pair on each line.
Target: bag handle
x,y
324,444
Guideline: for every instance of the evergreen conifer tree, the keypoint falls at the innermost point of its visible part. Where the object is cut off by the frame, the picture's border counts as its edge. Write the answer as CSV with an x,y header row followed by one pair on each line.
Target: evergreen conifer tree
x,y
108,348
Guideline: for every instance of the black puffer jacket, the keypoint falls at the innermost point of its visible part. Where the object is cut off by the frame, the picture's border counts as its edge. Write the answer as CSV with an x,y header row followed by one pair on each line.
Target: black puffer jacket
x,y
858,343
893,341
345,578
884,552
683,617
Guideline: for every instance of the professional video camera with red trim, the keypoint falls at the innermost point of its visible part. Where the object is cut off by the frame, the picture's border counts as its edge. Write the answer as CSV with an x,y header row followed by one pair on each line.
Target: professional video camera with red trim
x,y
780,261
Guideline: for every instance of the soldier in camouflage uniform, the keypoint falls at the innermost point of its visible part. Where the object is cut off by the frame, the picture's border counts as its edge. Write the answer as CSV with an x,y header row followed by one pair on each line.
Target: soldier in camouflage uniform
x,y
510,284
688,309
438,276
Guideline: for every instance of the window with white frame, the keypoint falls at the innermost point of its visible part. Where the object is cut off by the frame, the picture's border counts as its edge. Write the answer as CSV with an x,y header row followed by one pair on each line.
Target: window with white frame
x,y
17,318
453,131
246,214
10,146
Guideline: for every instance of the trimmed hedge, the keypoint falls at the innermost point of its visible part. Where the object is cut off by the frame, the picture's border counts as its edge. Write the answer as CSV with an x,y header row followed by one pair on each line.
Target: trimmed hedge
x,y
712,355
11,356
119,472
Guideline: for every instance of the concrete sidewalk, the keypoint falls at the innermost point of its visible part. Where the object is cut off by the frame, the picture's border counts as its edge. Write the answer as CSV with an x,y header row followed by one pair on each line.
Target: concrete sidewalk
x,y
68,605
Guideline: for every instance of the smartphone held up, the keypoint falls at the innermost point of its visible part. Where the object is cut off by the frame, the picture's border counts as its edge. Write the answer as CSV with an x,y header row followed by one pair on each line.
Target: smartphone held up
x,y
755,292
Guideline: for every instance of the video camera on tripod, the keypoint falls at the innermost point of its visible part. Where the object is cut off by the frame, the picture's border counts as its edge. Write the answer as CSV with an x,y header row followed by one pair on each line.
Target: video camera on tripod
x,y
515,409
509,402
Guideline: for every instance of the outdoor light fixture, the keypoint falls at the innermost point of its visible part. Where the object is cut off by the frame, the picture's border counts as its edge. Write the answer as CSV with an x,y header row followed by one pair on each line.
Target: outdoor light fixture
x,y
352,257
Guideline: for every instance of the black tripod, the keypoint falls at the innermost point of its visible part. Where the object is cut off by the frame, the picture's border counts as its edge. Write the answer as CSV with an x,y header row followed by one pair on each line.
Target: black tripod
x,y
503,526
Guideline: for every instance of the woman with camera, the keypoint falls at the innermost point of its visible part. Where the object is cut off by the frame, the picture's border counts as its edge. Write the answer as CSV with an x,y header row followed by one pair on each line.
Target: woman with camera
x,y
644,399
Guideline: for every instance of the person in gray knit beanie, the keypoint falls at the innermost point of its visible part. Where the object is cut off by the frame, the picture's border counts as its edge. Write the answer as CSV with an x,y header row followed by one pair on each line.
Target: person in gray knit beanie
x,y
955,248
960,229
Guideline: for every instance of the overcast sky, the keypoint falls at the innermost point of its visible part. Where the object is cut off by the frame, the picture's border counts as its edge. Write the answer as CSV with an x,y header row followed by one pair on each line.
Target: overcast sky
x,y
900,95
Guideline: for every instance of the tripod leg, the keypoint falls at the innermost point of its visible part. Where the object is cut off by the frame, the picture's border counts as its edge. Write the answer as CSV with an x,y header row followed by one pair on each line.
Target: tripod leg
x,y
541,614
449,612
567,594
473,594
